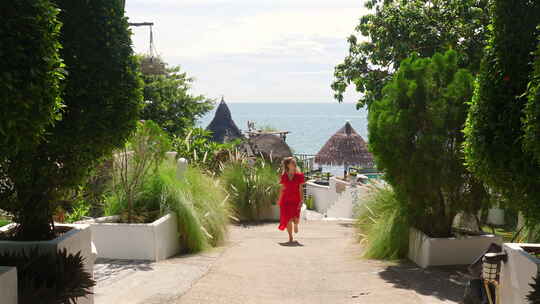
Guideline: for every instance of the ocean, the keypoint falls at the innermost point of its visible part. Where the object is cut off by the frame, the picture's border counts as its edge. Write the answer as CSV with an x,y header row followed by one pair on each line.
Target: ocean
x,y
310,124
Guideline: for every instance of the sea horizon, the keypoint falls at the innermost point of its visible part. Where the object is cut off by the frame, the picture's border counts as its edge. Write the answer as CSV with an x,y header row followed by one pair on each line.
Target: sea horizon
x,y
310,124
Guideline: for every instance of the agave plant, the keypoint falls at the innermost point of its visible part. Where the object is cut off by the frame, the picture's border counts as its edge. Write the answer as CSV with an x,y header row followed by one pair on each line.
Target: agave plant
x,y
534,296
49,278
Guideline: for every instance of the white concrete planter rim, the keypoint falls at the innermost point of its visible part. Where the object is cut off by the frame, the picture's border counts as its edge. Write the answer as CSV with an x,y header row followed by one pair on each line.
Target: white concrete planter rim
x,y
472,235
146,241
463,250
520,247
312,184
111,220
65,235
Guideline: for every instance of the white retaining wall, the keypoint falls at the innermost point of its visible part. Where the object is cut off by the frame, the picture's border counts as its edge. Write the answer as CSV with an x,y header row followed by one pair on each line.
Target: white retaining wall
x,y
517,273
155,241
322,196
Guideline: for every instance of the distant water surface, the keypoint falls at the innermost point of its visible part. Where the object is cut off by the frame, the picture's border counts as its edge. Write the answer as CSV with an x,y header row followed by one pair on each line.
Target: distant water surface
x,y
310,124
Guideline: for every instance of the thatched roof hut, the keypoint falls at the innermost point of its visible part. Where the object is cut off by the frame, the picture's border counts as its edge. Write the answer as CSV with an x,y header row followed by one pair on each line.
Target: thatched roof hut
x,y
222,126
345,148
269,146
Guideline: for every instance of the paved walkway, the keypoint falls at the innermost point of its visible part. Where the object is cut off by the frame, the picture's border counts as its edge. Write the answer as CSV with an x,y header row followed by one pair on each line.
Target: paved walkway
x,y
323,268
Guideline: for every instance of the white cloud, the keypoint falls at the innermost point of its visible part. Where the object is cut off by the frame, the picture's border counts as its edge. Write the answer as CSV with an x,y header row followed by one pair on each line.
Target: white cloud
x,y
245,48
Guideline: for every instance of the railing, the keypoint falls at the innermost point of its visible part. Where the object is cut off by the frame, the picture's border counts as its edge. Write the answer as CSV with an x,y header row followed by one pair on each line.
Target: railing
x,y
306,162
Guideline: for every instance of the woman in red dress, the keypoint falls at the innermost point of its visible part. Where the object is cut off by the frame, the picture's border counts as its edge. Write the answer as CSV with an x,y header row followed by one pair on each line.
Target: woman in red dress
x,y
290,199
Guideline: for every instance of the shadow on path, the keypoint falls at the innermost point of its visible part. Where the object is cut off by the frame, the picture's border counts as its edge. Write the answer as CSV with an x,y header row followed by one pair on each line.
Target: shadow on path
x,y
445,283
291,244
111,269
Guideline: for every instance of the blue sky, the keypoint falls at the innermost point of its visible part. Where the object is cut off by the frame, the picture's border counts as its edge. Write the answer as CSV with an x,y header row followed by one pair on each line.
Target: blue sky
x,y
251,50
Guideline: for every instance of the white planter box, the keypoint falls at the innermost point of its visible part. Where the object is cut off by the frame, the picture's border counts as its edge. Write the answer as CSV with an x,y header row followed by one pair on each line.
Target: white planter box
x,y
154,241
426,251
8,285
323,196
79,238
517,273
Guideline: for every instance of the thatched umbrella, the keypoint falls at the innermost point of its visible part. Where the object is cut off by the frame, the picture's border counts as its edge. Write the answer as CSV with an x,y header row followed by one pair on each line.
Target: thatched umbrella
x,y
222,126
269,146
345,148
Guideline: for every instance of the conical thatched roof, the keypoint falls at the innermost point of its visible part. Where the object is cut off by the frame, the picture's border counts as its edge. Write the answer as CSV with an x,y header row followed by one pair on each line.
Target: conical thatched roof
x,y
222,126
346,147
269,146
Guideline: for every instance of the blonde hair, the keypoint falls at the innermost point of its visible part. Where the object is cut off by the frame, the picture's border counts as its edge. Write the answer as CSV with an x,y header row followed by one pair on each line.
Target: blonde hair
x,y
285,164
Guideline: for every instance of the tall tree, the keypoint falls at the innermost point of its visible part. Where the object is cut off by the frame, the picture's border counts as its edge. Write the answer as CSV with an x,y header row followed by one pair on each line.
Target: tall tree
x,y
416,138
395,29
29,80
494,131
532,111
102,99
168,100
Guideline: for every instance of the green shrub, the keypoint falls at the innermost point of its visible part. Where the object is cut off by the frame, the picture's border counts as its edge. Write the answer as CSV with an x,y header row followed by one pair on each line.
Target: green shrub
x,y
140,158
30,80
80,209
198,148
102,98
532,111
494,130
383,225
198,200
415,134
252,187
3,222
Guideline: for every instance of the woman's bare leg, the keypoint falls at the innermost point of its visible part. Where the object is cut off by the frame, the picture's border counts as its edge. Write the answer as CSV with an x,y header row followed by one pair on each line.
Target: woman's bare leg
x,y
289,230
296,222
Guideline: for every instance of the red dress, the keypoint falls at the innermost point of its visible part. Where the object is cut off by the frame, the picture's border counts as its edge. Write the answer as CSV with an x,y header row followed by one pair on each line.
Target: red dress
x,y
289,201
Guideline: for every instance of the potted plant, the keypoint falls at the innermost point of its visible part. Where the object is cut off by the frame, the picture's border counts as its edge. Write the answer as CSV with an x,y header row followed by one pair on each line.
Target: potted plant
x,y
135,205
415,134
91,113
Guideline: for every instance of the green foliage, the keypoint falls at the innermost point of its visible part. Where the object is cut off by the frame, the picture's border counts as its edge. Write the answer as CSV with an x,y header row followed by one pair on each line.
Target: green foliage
x,y
494,130
383,225
199,149
534,295
140,158
252,187
79,210
415,136
397,29
168,101
208,198
102,98
49,278
198,200
532,111
30,80
3,222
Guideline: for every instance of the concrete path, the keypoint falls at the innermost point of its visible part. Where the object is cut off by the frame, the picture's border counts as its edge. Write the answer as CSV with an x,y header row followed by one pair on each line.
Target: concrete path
x,y
323,268
141,282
